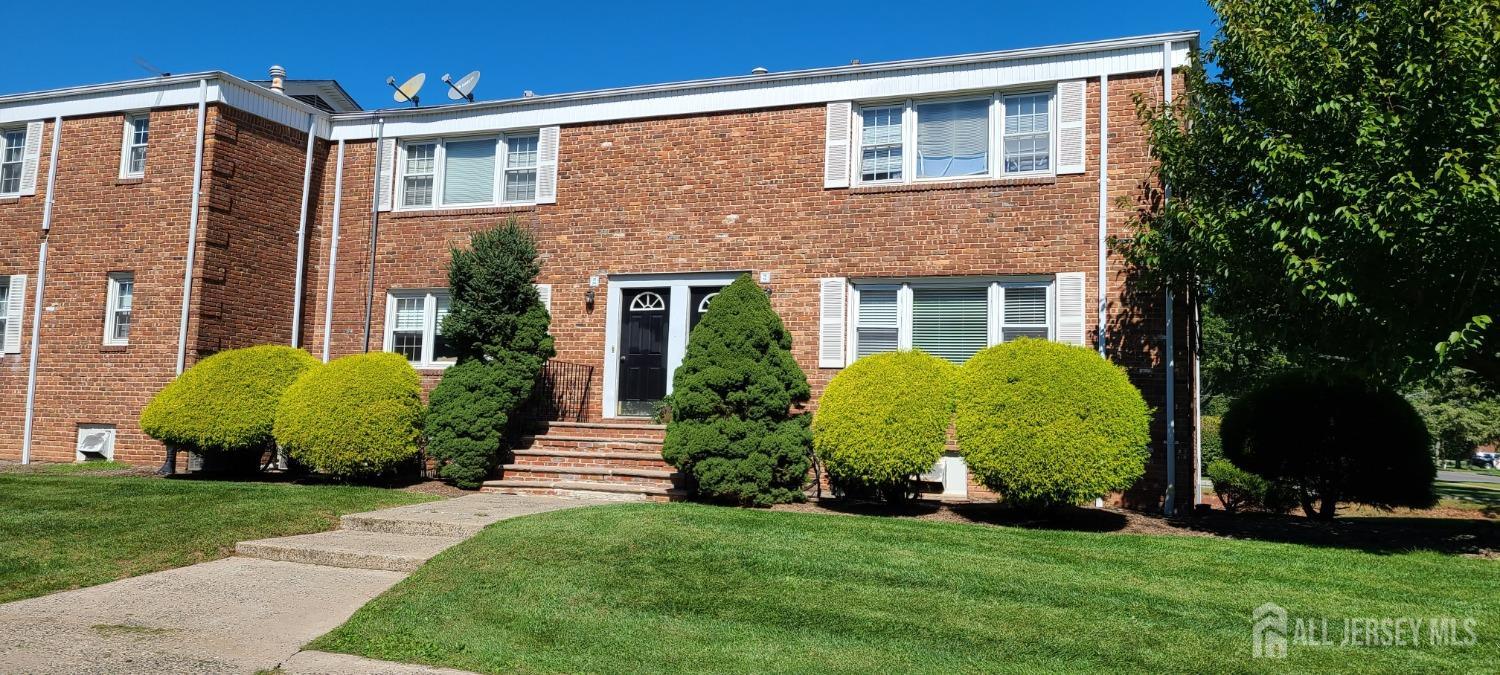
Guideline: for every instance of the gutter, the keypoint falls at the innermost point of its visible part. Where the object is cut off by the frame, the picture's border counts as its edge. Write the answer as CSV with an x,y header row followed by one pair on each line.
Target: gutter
x,y
374,227
1171,363
192,243
41,284
312,137
333,249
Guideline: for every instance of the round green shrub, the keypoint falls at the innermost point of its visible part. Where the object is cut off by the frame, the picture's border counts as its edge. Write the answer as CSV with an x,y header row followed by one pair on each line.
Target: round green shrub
x,y
1331,437
357,416
882,420
469,412
1046,423
226,403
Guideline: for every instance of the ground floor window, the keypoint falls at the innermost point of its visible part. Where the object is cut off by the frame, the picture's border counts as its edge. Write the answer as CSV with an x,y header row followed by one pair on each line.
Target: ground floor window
x,y
948,318
414,327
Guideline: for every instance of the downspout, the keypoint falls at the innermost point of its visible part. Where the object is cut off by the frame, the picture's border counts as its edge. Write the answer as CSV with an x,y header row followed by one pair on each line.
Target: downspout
x,y
333,248
312,137
374,227
41,284
1171,363
1103,209
192,243
1197,400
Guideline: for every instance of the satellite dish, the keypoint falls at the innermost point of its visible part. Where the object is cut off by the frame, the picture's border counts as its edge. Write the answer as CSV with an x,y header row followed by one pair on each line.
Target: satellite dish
x,y
463,88
409,89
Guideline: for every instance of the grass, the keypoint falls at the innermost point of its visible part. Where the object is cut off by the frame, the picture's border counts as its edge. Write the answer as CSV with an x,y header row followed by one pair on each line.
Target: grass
x,y
62,528
673,588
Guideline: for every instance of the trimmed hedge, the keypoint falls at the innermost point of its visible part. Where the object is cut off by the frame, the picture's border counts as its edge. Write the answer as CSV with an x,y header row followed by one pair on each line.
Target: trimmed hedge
x,y
227,402
357,416
1240,490
732,430
1047,423
1331,437
882,420
469,412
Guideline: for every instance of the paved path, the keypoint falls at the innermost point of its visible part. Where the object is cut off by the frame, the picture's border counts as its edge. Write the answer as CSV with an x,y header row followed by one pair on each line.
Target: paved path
x,y
251,612
1466,477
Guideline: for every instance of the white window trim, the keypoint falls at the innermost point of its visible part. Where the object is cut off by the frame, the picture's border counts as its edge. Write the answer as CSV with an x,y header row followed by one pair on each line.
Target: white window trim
x,y
111,306
995,309
439,158
429,324
21,162
127,143
909,137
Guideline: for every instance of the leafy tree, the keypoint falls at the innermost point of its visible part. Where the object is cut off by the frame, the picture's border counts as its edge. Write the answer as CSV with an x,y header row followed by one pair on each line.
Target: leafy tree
x,y
1331,437
1461,411
1335,182
733,431
497,325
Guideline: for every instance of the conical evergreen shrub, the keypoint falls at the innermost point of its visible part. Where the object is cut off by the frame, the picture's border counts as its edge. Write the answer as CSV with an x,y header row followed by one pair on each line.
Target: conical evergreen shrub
x,y
732,429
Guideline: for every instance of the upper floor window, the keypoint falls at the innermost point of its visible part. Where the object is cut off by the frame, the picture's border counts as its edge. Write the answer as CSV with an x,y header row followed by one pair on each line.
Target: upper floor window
x,y
12,160
989,136
133,151
118,308
468,171
414,327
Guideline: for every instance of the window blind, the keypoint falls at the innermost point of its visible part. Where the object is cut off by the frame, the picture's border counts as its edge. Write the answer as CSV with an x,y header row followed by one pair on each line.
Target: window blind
x,y
1025,312
953,138
469,172
877,330
951,323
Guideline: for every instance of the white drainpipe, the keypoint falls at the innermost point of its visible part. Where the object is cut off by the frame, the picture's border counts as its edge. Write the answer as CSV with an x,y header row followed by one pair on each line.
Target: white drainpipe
x,y
192,246
333,248
374,228
1171,364
312,137
1103,209
41,284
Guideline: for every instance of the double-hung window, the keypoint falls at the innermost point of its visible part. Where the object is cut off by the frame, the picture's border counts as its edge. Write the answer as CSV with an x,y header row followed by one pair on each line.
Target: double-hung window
x,y
4,307
12,158
133,150
987,136
117,310
948,318
414,327
468,172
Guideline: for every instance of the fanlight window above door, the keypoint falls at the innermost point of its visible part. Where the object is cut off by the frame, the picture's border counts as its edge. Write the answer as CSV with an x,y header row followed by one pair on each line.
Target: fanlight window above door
x,y
647,302
703,304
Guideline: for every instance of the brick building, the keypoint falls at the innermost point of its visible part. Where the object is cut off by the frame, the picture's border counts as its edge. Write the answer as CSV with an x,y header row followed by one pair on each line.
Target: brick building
x,y
943,204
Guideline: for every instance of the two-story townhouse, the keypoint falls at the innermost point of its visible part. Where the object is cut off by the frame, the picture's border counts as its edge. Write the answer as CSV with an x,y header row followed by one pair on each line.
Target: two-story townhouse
x,y
942,204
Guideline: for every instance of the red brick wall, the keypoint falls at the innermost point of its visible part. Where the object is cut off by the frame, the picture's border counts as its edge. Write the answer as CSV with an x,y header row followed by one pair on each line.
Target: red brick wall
x,y
744,191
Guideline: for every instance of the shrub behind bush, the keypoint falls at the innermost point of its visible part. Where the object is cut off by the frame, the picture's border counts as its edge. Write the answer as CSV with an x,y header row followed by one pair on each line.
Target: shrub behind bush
x,y
357,416
1331,437
226,403
1046,423
1240,490
883,419
468,414
732,430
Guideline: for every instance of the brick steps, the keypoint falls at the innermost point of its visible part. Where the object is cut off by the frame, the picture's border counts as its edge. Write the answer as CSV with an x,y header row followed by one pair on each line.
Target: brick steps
x,y
602,460
583,489
566,458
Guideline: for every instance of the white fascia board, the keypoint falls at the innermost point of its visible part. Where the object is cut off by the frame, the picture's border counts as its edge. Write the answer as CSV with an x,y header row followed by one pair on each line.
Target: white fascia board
x,y
746,93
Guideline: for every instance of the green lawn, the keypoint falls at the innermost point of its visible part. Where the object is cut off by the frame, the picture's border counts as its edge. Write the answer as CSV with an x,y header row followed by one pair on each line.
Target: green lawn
x,y
680,587
62,528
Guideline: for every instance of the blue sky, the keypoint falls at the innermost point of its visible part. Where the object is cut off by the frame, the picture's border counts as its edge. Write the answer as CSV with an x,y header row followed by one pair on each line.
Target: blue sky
x,y
548,47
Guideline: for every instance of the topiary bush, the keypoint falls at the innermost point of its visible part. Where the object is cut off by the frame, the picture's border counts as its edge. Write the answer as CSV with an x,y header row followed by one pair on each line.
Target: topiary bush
x,y
469,412
732,430
1046,423
882,420
1212,448
358,416
1330,437
1240,490
226,403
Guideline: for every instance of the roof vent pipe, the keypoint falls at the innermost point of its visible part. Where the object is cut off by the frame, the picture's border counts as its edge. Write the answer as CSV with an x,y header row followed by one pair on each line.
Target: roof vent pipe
x,y
278,78
759,70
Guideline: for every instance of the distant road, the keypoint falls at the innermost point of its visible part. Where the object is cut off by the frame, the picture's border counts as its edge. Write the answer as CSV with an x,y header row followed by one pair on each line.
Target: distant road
x,y
1466,477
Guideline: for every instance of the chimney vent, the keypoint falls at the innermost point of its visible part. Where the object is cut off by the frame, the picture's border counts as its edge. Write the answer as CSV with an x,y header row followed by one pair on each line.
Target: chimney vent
x,y
759,70
278,79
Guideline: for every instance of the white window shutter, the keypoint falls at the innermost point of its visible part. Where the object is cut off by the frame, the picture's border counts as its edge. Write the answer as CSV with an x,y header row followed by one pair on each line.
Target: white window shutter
x,y
545,292
29,160
1070,308
1072,100
387,189
836,149
831,305
546,165
13,313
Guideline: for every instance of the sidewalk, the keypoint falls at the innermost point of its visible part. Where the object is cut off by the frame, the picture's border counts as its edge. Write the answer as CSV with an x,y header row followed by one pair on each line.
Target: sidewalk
x,y
251,612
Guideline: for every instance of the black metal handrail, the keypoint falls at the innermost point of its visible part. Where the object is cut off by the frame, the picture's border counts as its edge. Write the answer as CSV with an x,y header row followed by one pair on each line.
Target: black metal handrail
x,y
562,392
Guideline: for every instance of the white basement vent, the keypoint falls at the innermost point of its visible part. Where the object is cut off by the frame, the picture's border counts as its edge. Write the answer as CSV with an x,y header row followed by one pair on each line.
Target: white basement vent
x,y
96,442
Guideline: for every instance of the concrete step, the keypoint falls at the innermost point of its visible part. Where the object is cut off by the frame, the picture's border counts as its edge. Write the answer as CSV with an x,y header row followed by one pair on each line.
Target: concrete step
x,y
625,460
584,489
458,517
351,548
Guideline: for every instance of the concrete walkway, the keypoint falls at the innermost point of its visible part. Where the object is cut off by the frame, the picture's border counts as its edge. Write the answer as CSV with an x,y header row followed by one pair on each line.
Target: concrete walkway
x,y
252,612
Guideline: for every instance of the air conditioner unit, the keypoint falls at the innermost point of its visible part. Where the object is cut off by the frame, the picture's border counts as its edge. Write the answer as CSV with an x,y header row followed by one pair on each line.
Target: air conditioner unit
x,y
937,474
